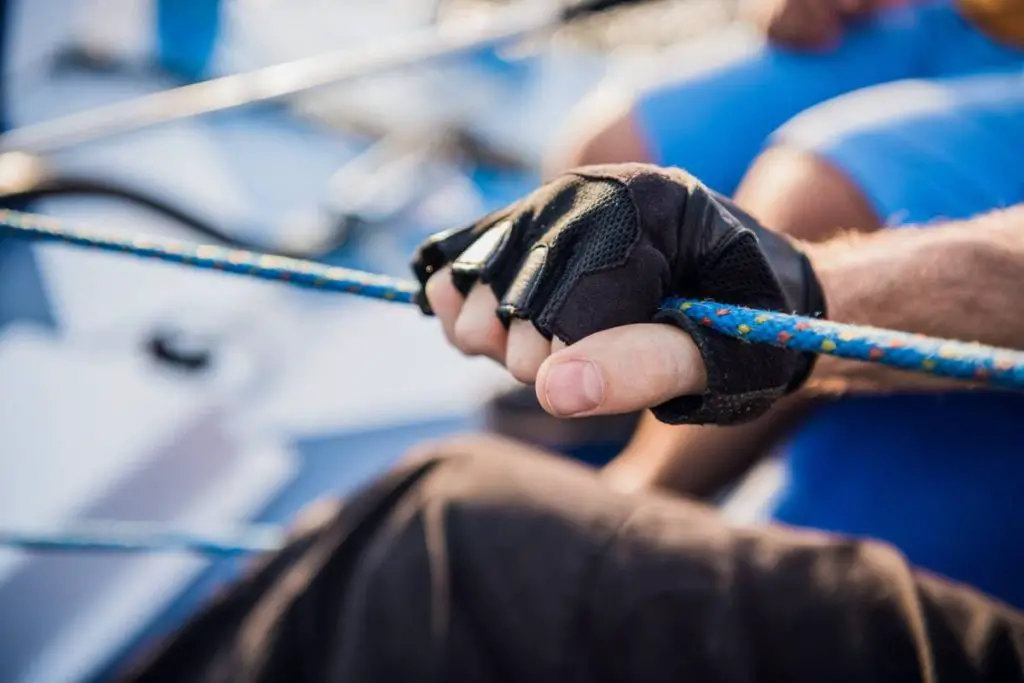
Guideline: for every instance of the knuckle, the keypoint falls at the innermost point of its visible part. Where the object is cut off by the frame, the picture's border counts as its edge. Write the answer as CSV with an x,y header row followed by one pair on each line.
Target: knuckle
x,y
466,349
460,341
478,335
522,368
449,333
527,351
442,296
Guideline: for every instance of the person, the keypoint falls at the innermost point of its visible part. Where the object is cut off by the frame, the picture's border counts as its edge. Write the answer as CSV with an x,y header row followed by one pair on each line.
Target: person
x,y
486,561
855,116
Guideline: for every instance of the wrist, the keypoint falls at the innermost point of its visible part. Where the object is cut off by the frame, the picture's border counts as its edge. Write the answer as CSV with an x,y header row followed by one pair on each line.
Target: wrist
x,y
813,305
915,279
829,262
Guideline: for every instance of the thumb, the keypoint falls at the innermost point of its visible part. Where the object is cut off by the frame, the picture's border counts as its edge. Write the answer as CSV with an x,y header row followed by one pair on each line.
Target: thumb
x,y
620,370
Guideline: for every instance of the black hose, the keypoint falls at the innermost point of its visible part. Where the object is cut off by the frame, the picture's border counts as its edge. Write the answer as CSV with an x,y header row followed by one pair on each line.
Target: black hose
x,y
60,186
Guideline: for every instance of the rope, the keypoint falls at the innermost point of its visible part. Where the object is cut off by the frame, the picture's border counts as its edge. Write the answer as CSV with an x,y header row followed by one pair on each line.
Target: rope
x,y
264,266
930,355
144,537
942,357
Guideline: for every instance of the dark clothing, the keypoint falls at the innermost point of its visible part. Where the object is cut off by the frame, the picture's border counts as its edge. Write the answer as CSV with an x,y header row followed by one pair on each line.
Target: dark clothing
x,y
479,567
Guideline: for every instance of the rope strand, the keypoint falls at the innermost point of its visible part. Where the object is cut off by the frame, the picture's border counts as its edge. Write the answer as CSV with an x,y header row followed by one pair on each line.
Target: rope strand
x,y
942,357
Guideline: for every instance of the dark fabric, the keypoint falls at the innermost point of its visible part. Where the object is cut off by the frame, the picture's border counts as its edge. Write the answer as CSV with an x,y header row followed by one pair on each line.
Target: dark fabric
x,y
471,567
604,246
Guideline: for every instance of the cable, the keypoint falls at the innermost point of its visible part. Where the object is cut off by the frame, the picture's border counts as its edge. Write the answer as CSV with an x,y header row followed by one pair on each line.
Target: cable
x,y
63,186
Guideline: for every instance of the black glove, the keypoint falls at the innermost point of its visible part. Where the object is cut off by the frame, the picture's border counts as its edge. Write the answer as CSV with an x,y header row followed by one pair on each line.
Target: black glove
x,y
603,246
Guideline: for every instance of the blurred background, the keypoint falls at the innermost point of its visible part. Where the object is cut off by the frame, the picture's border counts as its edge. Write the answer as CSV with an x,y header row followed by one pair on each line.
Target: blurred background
x,y
141,391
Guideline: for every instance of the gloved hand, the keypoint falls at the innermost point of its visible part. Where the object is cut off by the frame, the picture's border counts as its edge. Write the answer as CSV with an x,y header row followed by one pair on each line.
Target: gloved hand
x,y
603,246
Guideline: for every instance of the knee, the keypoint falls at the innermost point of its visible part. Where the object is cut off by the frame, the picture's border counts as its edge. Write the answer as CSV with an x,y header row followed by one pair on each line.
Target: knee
x,y
476,467
601,130
798,193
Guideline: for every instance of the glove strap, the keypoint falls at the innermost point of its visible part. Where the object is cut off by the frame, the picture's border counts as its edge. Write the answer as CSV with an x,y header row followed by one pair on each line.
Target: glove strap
x,y
744,381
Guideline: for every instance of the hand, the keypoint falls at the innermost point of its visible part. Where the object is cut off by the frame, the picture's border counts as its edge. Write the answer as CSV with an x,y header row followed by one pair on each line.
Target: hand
x,y
807,24
613,371
564,286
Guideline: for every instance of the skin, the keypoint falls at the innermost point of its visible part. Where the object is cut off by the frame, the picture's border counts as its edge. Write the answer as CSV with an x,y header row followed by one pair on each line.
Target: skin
x,y
585,379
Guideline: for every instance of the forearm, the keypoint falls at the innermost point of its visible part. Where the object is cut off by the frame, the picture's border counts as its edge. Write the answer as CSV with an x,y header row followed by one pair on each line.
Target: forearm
x,y
958,281
698,461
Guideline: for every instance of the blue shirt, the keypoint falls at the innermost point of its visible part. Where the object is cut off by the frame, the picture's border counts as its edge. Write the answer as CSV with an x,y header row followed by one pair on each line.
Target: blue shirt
x,y
939,476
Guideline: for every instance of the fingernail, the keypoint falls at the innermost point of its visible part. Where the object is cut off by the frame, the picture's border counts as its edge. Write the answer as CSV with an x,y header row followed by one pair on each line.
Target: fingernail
x,y
574,387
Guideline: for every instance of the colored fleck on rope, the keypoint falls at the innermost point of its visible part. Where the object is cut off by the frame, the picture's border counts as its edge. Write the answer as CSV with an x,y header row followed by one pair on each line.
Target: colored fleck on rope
x,y
942,357
144,537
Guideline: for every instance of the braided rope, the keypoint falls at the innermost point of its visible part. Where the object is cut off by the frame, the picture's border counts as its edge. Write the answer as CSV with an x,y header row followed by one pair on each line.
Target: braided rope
x,y
263,266
930,355
942,357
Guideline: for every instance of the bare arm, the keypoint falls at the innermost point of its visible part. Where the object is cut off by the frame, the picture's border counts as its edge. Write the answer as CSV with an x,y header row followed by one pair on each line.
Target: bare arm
x,y
698,461
958,281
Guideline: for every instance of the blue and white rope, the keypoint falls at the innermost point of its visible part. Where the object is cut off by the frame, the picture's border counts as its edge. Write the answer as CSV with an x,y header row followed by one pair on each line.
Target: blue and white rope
x,y
930,355
263,266
942,357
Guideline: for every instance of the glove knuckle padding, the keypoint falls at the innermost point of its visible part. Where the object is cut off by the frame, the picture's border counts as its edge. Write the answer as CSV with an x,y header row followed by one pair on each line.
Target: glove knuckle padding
x,y
592,250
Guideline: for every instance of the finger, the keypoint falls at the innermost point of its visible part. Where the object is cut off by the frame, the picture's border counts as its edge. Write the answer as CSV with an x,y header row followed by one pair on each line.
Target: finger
x,y
478,332
527,349
621,370
557,345
445,300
